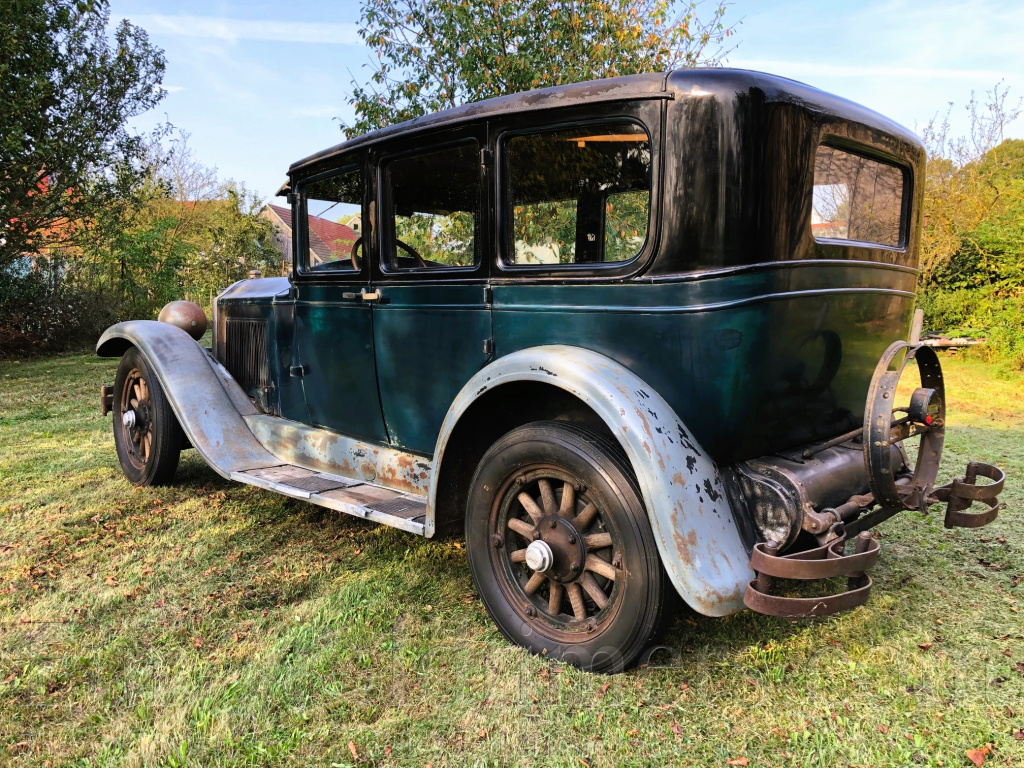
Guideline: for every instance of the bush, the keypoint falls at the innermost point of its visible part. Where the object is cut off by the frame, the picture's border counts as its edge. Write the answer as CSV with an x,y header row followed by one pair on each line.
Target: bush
x,y
44,310
983,312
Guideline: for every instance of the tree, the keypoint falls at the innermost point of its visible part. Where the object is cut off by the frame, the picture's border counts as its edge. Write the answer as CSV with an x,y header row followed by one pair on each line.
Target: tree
x,y
179,233
439,54
968,180
67,91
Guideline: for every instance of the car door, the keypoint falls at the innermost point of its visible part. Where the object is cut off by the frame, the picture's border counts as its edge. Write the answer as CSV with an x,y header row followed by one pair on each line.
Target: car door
x,y
333,320
432,320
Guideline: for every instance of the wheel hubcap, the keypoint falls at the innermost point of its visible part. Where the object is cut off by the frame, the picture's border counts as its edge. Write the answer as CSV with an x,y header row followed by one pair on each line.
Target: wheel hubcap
x,y
539,556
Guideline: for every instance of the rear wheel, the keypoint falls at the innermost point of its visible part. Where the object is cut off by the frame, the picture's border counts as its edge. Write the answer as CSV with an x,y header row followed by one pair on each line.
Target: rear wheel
x,y
561,549
147,435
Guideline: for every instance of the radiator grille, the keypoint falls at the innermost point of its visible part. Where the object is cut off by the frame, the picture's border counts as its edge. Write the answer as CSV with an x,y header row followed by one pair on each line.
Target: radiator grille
x,y
246,353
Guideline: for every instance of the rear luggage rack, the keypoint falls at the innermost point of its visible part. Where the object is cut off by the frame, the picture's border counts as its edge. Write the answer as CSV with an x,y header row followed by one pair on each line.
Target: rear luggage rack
x,y
891,493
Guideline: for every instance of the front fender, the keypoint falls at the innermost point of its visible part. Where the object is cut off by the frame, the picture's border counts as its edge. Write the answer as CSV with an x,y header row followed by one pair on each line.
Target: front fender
x,y
698,539
209,404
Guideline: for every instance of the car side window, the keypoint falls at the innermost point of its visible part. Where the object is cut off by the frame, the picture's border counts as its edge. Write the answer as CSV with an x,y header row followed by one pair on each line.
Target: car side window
x,y
579,195
434,205
333,234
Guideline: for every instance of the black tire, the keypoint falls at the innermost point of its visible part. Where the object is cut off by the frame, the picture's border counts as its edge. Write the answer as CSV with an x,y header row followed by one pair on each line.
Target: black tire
x,y
638,601
149,448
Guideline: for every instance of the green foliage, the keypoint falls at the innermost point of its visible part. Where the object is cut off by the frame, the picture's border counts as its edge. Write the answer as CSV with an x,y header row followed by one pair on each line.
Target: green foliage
x,y
432,56
176,233
985,312
972,276
67,90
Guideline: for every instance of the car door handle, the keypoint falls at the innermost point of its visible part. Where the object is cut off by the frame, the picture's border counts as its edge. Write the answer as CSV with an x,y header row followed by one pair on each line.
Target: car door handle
x,y
363,294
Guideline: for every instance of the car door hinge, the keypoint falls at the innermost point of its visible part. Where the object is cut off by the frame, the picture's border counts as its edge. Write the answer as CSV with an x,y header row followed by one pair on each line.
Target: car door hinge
x,y
292,198
485,157
488,295
488,346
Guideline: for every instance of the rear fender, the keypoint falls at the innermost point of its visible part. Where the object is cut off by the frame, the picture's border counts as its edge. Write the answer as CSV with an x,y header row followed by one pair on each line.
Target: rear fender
x,y
698,539
209,404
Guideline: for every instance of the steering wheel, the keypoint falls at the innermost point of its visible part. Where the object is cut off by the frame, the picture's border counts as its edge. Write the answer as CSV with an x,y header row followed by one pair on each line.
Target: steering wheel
x,y
412,252
355,247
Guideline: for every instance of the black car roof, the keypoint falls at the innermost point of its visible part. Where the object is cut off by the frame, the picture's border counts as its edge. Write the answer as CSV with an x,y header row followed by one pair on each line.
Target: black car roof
x,y
680,83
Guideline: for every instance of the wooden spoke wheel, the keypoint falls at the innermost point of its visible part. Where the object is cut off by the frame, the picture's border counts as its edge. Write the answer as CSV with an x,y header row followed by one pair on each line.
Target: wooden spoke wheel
x,y
557,552
561,549
136,418
146,431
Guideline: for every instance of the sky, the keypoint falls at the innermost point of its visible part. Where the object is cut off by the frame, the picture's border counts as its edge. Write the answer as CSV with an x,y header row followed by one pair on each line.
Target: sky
x,y
257,85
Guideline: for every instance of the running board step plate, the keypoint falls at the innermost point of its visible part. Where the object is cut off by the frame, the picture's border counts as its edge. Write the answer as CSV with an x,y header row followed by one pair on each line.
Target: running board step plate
x,y
353,497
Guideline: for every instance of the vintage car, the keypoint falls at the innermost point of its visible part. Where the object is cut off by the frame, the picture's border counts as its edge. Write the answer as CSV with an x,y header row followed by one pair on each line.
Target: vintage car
x,y
639,338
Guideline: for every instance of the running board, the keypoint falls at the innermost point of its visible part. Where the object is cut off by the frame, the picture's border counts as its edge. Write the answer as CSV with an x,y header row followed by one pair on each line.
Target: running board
x,y
404,511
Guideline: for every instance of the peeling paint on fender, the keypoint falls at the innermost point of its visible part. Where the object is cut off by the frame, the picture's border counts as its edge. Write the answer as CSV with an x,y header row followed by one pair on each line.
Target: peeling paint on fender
x,y
702,552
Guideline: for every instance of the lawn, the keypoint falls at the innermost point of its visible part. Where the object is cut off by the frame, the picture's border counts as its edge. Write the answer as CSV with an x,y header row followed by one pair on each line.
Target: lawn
x,y
210,623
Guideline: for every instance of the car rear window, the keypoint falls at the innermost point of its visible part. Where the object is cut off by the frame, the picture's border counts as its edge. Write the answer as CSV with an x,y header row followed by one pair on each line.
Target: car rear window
x,y
856,198
579,195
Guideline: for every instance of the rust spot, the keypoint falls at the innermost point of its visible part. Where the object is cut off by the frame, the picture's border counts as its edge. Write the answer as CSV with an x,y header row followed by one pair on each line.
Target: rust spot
x,y
677,479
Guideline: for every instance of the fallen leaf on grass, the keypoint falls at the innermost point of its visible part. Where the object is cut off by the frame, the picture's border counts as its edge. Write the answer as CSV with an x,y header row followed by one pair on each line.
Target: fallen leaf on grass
x,y
676,729
353,750
604,688
977,756
924,646
1019,735
883,728
110,581
737,761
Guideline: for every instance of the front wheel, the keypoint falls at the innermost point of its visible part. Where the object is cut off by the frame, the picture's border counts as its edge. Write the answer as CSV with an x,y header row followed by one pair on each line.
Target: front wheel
x,y
561,550
147,435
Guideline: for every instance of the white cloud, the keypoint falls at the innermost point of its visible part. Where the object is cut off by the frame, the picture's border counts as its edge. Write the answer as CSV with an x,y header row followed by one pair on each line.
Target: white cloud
x,y
324,110
222,28
815,69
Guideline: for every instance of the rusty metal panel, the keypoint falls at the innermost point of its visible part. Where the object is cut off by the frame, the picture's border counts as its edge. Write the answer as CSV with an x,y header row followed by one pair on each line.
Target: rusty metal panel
x,y
319,449
699,541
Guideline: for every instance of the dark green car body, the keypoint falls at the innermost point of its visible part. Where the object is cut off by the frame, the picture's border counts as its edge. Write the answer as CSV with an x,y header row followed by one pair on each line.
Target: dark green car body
x,y
759,335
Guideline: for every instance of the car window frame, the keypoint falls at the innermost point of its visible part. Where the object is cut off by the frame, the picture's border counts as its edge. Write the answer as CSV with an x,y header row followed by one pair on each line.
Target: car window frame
x,y
300,214
421,145
868,152
505,217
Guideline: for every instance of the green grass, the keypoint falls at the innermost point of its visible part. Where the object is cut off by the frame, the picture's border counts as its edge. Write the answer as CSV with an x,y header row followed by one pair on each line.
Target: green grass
x,y
215,624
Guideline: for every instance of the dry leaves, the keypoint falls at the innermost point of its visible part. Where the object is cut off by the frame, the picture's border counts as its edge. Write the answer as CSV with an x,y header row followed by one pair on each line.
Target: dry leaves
x,y
977,756
353,750
883,728
737,761
924,646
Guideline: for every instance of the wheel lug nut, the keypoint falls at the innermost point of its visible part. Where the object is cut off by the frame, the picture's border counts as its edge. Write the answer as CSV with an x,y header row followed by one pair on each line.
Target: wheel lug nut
x,y
574,566
552,524
497,541
590,627
531,611
572,539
